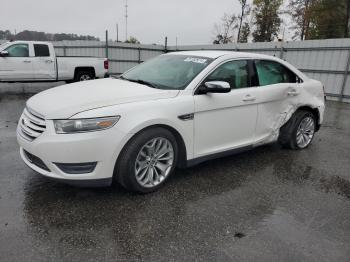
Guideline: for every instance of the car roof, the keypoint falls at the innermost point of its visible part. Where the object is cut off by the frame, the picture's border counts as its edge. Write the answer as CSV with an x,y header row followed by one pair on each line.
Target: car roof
x,y
218,53
26,42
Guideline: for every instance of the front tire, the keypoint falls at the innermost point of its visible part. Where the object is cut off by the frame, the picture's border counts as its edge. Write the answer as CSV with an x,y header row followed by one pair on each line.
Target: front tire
x,y
147,161
299,131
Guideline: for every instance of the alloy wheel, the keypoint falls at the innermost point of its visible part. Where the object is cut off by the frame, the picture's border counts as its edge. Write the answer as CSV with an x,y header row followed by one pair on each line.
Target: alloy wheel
x,y
84,78
305,132
154,162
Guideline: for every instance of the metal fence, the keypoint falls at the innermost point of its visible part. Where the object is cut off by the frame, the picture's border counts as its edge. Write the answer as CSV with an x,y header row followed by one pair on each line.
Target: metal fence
x,y
325,60
121,56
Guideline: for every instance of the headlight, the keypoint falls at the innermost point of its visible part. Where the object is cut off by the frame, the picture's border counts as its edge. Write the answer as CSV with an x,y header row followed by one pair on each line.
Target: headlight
x,y
84,125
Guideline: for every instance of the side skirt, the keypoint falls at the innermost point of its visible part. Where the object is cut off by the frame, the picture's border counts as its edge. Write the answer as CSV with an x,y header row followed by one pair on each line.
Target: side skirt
x,y
202,159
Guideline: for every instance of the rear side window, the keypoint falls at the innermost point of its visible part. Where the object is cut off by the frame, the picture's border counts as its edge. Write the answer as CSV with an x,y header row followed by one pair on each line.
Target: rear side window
x,y
18,50
41,50
271,72
234,72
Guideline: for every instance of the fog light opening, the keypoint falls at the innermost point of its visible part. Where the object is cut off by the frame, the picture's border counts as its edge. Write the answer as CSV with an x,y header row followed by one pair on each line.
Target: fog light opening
x,y
77,168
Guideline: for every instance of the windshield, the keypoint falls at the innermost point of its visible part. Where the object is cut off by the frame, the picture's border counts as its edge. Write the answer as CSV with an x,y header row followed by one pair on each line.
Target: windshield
x,y
168,71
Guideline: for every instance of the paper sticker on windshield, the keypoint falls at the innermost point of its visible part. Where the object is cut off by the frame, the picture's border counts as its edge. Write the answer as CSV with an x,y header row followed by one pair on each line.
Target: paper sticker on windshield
x,y
195,60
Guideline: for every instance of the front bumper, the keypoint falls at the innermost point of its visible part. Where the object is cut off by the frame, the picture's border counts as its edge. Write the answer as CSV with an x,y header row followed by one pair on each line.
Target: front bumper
x,y
102,182
102,148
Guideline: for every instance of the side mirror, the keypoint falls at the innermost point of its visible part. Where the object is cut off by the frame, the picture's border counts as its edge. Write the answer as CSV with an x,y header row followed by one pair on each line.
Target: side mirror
x,y
4,53
215,87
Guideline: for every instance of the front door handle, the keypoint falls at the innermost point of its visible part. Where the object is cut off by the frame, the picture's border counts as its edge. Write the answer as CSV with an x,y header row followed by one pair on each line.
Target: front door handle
x,y
249,98
49,61
27,61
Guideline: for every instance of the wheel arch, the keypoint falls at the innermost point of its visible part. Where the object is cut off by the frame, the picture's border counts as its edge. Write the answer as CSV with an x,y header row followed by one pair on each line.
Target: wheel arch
x,y
314,111
84,68
182,154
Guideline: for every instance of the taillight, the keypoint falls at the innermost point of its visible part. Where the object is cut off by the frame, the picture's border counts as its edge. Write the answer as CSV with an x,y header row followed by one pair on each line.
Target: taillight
x,y
106,64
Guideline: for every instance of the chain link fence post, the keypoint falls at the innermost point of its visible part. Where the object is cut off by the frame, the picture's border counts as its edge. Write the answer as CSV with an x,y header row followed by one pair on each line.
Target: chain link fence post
x,y
282,50
345,78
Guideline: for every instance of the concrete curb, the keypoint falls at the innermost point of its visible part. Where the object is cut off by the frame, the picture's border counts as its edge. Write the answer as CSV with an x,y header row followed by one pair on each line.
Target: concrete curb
x,y
26,88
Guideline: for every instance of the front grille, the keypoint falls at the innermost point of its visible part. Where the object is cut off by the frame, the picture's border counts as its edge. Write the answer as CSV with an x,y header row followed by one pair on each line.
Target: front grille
x,y
36,161
31,124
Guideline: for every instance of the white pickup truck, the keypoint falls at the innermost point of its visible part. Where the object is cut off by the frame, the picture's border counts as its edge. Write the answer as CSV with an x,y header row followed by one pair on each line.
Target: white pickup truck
x,y
28,61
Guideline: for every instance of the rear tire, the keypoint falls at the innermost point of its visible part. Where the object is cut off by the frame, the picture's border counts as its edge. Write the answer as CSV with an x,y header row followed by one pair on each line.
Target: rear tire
x,y
299,131
140,166
84,75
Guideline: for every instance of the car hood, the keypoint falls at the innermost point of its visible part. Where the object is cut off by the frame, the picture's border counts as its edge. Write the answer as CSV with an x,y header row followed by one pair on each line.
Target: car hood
x,y
65,101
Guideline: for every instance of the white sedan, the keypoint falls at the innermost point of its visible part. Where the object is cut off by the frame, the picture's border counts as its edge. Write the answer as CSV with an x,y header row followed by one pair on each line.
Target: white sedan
x,y
176,110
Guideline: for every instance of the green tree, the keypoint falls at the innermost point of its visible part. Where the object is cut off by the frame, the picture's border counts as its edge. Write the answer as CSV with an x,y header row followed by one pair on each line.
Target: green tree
x,y
6,35
266,20
300,12
245,32
347,19
42,36
63,36
245,10
319,19
31,35
328,19
232,25
132,40
225,31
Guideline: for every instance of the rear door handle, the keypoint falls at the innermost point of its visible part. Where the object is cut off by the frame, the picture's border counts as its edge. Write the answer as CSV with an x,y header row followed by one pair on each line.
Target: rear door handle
x,y
293,93
49,61
27,61
249,98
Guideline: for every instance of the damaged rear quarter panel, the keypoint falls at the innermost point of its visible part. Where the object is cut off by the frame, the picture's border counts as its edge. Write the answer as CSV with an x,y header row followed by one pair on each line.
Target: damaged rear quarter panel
x,y
276,107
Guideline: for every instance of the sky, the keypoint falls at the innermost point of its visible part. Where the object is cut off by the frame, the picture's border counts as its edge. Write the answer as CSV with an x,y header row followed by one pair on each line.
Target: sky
x,y
191,21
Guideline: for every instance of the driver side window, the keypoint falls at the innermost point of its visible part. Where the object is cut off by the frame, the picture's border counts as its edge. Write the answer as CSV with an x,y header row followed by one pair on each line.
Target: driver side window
x,y
18,50
234,72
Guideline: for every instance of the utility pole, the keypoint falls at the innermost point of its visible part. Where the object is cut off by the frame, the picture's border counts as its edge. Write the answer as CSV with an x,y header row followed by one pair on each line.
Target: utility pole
x,y
117,32
106,47
166,45
126,20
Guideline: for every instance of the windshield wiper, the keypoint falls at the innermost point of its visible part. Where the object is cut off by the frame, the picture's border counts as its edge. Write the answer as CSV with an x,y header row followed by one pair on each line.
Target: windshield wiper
x,y
140,81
